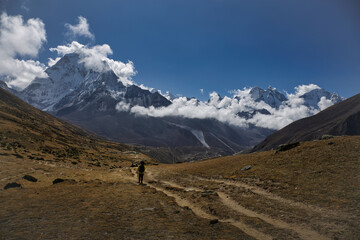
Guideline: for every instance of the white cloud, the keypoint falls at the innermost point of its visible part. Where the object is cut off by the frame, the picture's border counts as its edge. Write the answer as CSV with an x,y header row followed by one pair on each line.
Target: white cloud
x,y
81,29
125,71
96,58
122,107
191,109
201,91
21,39
226,109
21,72
325,103
302,89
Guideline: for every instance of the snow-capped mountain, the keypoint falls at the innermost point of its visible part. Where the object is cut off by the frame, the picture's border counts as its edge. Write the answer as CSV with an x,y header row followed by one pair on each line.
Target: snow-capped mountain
x,y
98,101
63,78
312,98
70,83
275,99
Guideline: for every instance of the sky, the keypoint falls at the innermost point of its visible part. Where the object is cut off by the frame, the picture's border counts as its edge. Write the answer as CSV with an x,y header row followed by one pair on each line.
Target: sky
x,y
193,48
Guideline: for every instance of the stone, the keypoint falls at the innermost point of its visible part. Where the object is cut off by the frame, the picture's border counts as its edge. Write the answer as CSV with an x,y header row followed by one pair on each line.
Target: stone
x,y
30,178
214,221
148,209
12,185
248,167
58,180
285,147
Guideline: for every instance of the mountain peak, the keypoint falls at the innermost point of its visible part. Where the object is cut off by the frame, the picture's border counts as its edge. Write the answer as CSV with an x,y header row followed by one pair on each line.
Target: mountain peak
x,y
270,96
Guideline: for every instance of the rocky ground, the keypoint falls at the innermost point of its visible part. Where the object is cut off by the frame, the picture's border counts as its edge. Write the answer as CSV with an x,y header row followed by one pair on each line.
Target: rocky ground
x,y
253,196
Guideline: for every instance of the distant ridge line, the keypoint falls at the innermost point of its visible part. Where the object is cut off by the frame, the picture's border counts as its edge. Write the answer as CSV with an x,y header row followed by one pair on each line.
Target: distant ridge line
x,y
340,119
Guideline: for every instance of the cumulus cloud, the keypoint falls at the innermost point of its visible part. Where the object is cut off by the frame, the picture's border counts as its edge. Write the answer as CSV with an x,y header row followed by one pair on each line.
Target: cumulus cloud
x,y
21,39
81,29
125,71
96,59
182,107
229,109
201,91
302,89
122,107
324,103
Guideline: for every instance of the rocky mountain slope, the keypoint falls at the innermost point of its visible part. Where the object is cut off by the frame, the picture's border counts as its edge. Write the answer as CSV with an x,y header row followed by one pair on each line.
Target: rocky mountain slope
x,y
340,119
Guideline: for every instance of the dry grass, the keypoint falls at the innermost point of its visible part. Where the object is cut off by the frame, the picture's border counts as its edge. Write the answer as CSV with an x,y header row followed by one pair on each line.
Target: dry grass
x,y
324,173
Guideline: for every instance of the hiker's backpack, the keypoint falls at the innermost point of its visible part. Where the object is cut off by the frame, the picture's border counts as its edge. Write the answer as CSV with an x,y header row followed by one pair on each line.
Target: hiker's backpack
x,y
141,169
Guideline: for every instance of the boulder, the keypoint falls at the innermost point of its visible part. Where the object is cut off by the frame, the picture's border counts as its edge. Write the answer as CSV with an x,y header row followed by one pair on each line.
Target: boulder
x,y
58,180
12,185
286,147
214,221
30,178
248,167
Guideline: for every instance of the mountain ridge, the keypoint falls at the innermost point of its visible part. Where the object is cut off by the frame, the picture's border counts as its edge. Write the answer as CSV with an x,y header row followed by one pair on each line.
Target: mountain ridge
x,y
342,118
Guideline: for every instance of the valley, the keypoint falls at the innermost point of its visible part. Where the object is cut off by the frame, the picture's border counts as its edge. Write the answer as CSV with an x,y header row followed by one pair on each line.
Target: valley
x,y
308,192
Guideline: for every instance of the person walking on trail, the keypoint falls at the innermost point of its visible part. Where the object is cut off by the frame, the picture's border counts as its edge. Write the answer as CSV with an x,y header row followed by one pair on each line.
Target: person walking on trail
x,y
141,172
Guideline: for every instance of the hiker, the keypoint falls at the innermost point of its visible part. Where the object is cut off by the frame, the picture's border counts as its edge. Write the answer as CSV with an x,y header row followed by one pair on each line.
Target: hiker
x,y
141,171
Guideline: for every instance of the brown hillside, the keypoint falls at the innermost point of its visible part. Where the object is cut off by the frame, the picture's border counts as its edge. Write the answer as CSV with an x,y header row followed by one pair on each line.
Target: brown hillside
x,y
27,132
340,119
316,184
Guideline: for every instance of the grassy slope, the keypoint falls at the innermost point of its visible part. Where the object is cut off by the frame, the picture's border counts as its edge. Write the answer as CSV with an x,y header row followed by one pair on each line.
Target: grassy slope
x,y
324,173
28,132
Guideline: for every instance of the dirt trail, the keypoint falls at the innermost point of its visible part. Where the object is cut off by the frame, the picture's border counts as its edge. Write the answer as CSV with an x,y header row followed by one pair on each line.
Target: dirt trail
x,y
197,210
302,231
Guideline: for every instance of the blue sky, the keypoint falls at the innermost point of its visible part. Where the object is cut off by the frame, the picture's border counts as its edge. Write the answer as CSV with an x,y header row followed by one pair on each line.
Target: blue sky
x,y
185,46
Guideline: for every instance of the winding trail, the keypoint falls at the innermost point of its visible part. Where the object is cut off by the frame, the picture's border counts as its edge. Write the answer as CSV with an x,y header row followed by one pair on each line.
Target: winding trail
x,y
198,211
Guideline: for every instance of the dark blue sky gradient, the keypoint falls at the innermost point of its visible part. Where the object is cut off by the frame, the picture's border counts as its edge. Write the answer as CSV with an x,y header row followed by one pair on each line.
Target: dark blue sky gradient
x,y
217,45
